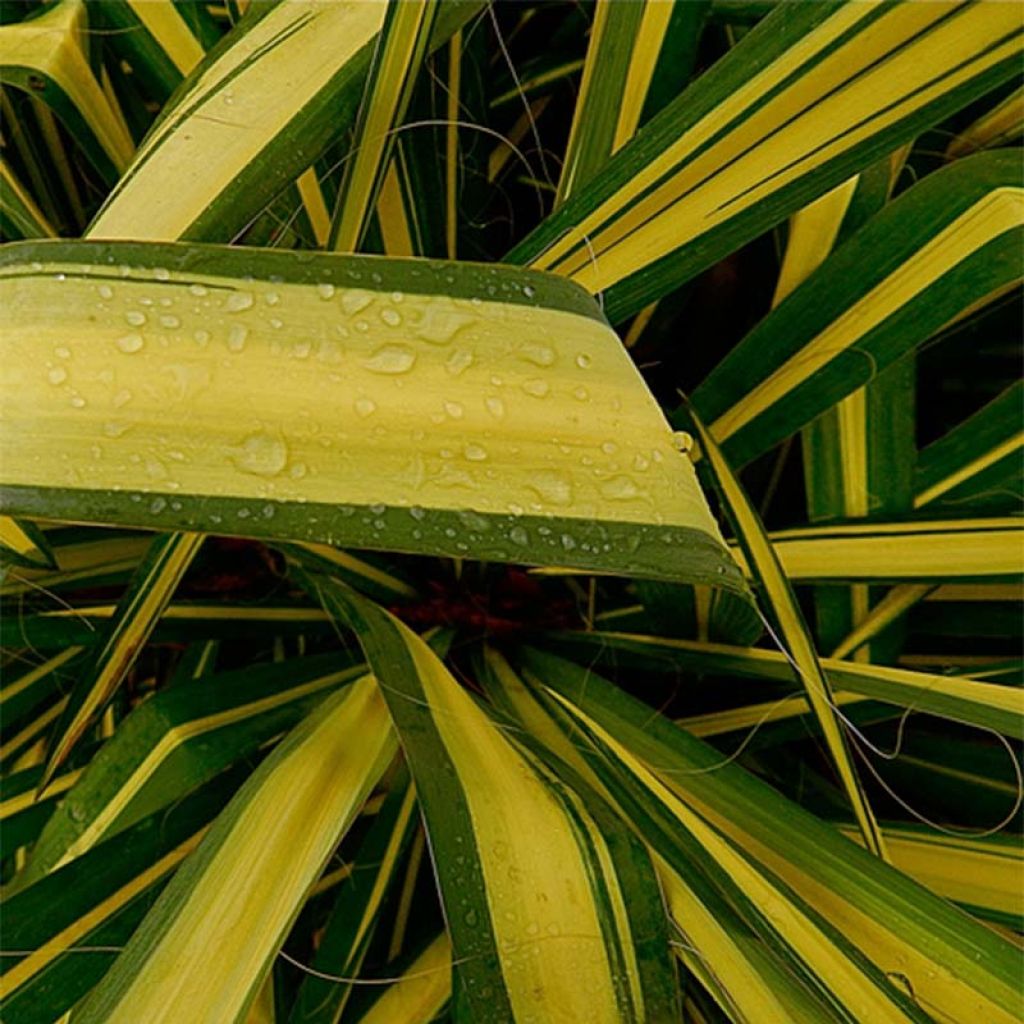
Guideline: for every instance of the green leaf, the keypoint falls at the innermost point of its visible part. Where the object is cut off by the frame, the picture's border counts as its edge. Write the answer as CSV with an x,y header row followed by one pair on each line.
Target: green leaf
x,y
517,861
811,95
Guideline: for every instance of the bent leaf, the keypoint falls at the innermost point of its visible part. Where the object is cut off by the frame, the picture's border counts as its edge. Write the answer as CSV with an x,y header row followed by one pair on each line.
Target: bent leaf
x,y
428,408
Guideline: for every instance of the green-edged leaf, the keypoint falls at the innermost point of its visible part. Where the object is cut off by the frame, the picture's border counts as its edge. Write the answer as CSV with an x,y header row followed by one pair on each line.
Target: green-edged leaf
x,y
988,705
925,550
488,413
402,44
545,906
978,463
213,934
811,95
156,39
45,56
251,118
23,543
116,649
626,44
68,926
942,248
176,741
765,566
956,967
981,874
356,915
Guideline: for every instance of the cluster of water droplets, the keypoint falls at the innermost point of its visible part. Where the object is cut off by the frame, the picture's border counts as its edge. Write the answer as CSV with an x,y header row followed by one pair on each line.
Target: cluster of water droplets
x,y
491,369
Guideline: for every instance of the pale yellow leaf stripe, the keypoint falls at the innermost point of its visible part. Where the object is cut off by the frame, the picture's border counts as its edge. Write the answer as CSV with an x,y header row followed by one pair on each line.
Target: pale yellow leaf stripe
x,y
589,439
238,104
24,198
1002,124
734,976
890,608
35,729
996,213
402,45
972,468
417,997
166,25
22,683
201,613
13,536
359,567
23,801
646,48
772,147
937,549
715,723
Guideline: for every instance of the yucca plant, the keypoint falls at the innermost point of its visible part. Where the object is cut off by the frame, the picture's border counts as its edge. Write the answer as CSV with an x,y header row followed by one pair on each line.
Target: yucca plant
x,y
372,653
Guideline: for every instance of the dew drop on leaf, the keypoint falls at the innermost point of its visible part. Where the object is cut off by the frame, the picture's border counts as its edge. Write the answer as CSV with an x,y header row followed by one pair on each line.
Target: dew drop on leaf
x,y
391,359
237,301
552,486
135,317
130,343
262,453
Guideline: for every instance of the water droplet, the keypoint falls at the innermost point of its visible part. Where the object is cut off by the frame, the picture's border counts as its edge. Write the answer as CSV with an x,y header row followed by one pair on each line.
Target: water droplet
x,y
130,343
135,317
539,355
609,447
536,387
170,321
495,406
391,359
640,462
568,541
355,300
391,316
416,512
237,301
202,337
582,360
114,429
470,918
106,292
454,409
62,352
198,290
276,323
301,349
460,360
581,394
57,375
325,291
122,398
298,470
682,440
529,291
475,452
262,453
271,298
364,406
439,325
161,273
552,485
619,488
237,336
157,505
